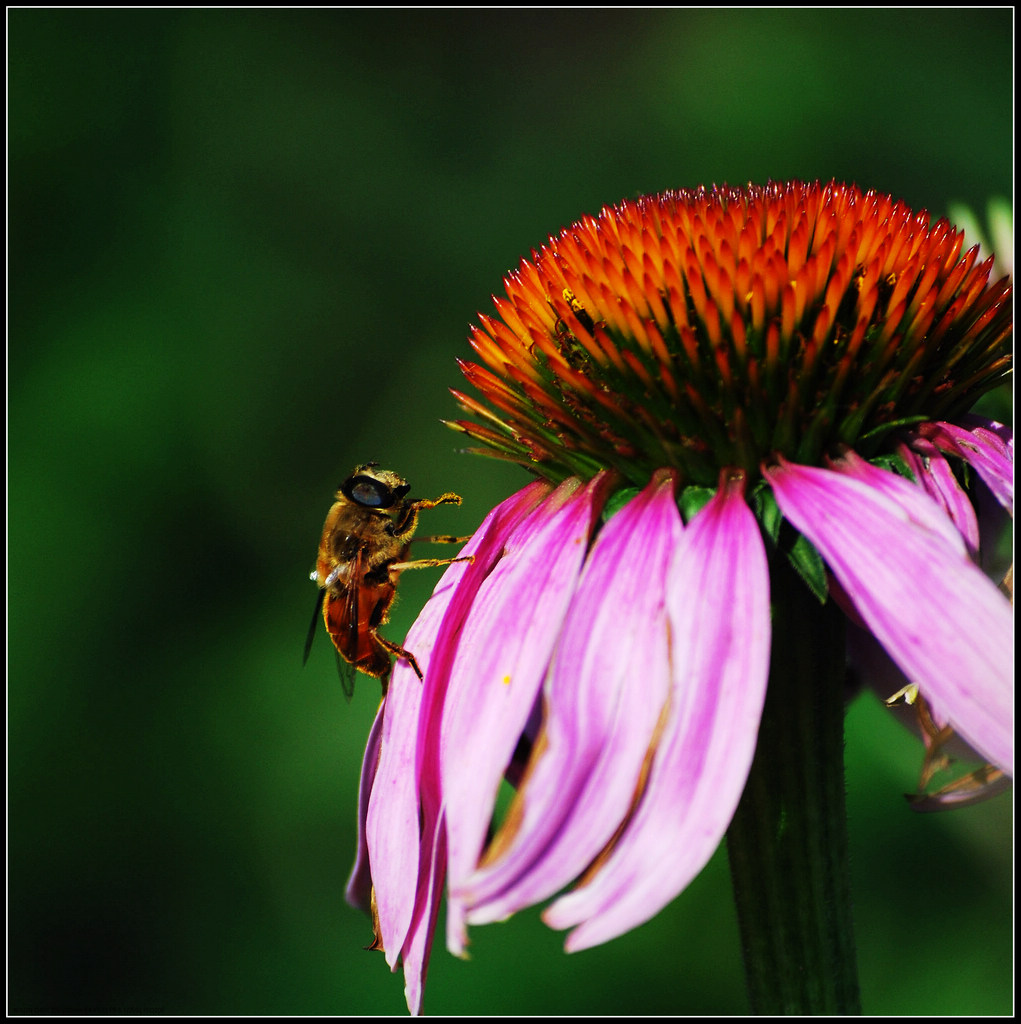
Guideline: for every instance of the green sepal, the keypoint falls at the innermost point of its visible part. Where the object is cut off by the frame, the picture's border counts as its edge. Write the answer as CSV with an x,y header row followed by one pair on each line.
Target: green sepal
x,y
693,499
800,552
808,564
895,464
767,512
617,501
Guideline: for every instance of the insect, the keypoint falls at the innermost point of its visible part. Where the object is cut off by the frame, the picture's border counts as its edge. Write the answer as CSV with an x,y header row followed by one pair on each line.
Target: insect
x,y
362,552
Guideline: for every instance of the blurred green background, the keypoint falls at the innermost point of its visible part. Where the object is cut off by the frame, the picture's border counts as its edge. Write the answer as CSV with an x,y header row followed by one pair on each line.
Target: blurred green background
x,y
244,250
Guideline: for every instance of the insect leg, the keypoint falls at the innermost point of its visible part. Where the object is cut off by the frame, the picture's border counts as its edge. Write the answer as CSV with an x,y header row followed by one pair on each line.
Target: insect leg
x,y
400,652
427,563
444,499
405,526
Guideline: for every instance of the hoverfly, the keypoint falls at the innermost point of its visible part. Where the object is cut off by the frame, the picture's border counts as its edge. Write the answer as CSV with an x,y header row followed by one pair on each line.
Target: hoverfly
x,y
362,552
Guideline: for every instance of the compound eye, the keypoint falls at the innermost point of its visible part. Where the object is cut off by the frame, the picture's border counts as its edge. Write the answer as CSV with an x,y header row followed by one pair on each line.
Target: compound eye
x,y
364,490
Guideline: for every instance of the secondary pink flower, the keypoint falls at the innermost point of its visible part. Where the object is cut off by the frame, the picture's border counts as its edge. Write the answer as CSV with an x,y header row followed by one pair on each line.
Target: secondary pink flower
x,y
707,383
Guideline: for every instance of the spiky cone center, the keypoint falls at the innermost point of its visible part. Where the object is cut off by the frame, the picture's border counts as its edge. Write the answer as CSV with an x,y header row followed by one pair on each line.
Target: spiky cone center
x,y
719,327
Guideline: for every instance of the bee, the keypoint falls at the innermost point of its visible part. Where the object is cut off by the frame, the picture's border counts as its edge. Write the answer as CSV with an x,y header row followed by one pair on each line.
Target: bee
x,y
362,552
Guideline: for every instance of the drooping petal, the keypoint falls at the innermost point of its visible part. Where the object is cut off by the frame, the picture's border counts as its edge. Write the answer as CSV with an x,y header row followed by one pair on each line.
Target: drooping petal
x,y
989,448
502,655
604,694
359,885
394,810
920,508
418,945
392,824
934,611
718,607
985,445
934,474
486,547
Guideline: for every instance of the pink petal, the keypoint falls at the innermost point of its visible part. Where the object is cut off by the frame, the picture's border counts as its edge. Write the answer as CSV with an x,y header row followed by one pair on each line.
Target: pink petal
x,y
393,818
392,822
487,547
943,622
359,886
986,445
502,655
923,511
604,694
394,807
934,474
418,945
718,607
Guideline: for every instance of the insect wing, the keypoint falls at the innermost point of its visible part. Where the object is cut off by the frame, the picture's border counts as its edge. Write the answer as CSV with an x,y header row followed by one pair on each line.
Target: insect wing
x,y
352,607
346,672
346,669
341,612
317,613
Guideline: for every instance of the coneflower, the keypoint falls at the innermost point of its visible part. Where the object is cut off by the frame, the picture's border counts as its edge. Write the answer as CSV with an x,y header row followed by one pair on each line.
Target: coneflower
x,y
747,412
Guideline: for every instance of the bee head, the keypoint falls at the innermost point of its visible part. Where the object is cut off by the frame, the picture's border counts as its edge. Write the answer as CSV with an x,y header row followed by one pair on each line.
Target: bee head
x,y
373,487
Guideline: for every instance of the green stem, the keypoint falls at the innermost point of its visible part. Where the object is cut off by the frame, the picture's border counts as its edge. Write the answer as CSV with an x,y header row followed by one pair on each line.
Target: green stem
x,y
788,840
